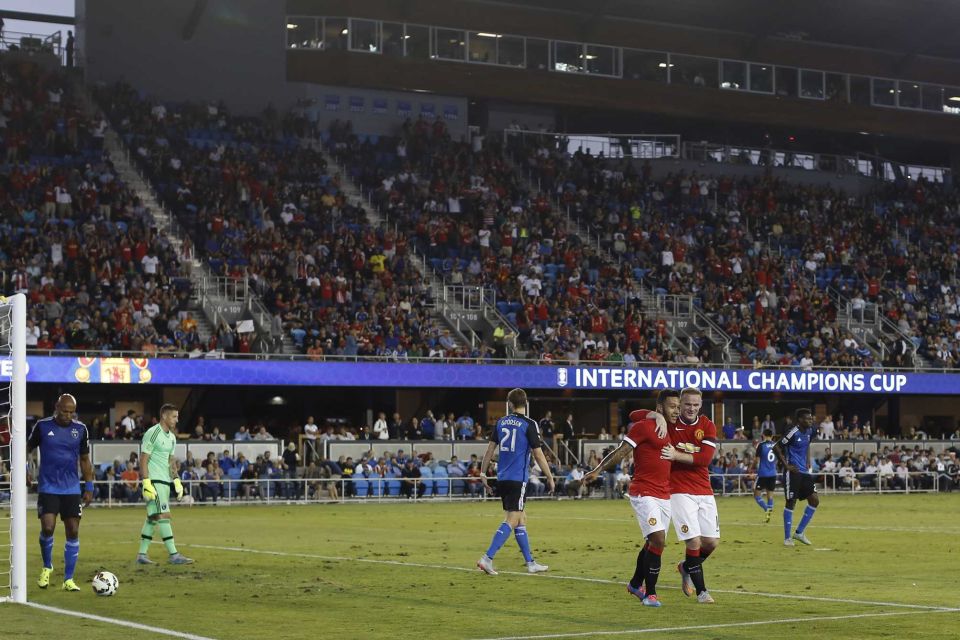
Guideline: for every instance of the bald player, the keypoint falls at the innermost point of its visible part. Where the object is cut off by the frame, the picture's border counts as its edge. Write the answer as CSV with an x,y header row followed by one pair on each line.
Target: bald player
x,y
64,445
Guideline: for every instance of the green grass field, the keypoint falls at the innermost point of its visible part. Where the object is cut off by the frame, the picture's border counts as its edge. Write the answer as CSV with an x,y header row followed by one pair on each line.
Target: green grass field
x,y
880,567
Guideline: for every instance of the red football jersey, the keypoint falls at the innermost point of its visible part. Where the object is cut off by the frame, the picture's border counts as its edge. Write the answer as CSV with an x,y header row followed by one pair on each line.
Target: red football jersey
x,y
699,439
651,474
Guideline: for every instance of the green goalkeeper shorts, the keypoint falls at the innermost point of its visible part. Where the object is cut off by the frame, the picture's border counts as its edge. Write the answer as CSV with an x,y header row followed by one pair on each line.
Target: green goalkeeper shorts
x,y
160,504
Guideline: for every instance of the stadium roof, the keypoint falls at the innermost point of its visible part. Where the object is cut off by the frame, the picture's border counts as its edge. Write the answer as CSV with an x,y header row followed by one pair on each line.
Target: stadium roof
x,y
915,27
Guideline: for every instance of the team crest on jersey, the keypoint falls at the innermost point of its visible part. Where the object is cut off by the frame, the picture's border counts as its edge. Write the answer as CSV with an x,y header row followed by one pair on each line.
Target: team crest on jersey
x,y
75,433
562,377
698,434
684,529
652,522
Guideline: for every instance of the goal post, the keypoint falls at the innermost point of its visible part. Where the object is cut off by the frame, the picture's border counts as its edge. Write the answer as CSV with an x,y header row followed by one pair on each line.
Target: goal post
x,y
13,446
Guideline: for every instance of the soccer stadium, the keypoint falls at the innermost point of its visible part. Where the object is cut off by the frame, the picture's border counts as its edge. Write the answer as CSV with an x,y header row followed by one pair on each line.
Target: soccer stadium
x,y
479,319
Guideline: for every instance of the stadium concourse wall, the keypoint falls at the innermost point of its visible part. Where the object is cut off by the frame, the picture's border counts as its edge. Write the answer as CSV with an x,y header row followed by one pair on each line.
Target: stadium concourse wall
x,y
105,452
234,51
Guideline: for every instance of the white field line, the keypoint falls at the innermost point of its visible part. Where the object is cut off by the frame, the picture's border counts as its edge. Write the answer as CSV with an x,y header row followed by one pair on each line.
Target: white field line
x,y
445,567
118,622
629,519
726,625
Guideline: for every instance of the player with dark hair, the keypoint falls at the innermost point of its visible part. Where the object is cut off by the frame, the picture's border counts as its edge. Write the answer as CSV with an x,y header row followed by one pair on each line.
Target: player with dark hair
x,y
516,437
766,473
693,444
649,490
793,450
158,467
64,443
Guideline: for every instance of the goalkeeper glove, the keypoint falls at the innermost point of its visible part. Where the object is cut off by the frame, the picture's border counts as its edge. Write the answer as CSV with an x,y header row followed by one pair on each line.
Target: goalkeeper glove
x,y
149,493
178,487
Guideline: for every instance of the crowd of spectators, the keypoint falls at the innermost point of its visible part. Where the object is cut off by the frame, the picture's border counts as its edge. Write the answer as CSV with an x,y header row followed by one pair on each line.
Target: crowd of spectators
x,y
466,209
258,201
759,254
73,237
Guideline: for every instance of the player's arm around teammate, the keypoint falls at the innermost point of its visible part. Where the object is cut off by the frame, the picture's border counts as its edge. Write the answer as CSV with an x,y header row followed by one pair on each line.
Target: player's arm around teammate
x,y
609,461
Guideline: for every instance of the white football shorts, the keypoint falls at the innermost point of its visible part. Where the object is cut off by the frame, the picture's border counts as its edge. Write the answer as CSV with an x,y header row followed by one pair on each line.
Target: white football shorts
x,y
653,514
694,515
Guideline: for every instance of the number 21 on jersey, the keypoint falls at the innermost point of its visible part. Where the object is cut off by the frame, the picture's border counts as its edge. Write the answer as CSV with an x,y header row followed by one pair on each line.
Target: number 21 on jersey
x,y
511,435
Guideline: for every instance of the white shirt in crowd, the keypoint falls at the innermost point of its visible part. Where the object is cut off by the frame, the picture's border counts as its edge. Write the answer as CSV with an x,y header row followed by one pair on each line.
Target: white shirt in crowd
x,y
150,263
826,429
380,429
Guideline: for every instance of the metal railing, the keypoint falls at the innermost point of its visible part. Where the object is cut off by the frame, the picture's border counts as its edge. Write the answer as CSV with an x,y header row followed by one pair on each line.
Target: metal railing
x,y
32,43
118,353
391,488
862,165
641,146
855,483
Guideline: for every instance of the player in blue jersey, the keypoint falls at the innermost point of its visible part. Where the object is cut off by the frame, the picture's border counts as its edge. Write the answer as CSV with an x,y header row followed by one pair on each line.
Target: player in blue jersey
x,y
516,437
766,473
793,450
64,443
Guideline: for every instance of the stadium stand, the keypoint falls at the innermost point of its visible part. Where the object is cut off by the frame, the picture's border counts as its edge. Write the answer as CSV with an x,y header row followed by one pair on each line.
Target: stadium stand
x,y
259,203
469,212
73,238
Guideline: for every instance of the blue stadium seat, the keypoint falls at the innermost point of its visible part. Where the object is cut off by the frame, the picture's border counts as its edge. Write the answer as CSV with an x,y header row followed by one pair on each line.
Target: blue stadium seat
x,y
427,480
362,486
393,484
232,485
442,482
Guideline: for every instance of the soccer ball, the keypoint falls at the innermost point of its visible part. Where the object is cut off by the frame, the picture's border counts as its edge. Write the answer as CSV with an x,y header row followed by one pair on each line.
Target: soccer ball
x,y
105,583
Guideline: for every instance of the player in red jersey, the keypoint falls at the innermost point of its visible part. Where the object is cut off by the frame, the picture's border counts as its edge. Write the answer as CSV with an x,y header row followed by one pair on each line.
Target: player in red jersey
x,y
694,509
649,490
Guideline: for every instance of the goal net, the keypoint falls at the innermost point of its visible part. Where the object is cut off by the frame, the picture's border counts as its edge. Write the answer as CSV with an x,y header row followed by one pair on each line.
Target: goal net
x,y
13,449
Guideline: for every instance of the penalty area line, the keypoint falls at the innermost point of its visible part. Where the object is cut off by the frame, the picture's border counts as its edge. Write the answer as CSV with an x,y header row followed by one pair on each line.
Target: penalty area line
x,y
545,576
725,625
116,621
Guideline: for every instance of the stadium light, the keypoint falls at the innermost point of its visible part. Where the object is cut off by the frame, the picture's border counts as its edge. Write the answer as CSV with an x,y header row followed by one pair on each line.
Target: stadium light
x,y
290,25
954,98
344,32
489,35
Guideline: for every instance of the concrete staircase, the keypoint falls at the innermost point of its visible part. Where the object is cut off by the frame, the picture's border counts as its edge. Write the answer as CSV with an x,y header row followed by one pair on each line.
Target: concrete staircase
x,y
873,328
165,225
210,296
468,312
685,321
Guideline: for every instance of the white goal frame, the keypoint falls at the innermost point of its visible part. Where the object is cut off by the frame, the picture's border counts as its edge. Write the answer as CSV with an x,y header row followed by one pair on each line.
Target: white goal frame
x,y
18,449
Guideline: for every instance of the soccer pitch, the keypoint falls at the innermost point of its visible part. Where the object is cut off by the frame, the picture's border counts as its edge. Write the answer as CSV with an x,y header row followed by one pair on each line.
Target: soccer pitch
x,y
880,567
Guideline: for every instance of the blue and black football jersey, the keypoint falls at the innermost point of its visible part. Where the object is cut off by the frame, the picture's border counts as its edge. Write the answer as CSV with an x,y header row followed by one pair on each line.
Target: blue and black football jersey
x,y
60,451
796,443
517,436
766,460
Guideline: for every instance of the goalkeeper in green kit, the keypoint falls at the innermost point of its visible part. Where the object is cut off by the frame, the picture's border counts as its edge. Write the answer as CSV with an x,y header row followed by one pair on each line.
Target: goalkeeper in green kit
x,y
158,468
